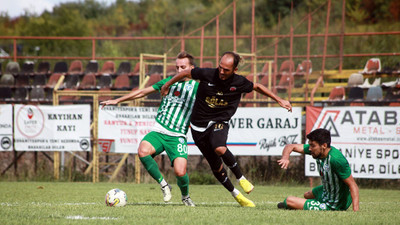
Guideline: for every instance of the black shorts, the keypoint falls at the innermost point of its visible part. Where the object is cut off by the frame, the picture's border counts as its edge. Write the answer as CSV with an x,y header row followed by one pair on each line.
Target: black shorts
x,y
212,138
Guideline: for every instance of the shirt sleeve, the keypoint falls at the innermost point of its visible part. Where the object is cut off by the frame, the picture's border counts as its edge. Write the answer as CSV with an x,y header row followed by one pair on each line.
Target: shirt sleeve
x,y
157,86
307,149
248,86
341,167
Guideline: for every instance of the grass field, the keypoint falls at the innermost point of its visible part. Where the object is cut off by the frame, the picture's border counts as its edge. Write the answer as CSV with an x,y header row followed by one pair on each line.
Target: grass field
x,y
83,203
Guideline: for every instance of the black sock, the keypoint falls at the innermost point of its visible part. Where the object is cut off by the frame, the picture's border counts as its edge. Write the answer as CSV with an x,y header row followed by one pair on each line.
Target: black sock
x,y
230,161
223,178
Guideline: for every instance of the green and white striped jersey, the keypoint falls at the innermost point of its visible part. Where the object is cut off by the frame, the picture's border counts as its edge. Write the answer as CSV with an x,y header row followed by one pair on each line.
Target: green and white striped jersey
x,y
176,108
333,170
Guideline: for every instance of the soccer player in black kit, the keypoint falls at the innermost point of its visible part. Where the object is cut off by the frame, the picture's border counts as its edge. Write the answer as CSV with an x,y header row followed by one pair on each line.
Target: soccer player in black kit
x,y
217,100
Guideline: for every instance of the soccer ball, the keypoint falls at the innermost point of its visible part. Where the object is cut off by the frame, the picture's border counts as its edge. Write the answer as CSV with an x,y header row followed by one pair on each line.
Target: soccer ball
x,y
116,198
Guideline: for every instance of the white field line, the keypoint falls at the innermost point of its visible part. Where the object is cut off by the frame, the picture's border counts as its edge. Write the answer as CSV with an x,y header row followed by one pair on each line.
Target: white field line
x,y
79,217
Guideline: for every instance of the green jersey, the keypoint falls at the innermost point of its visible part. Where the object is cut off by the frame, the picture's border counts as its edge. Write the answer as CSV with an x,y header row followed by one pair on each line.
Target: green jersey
x,y
176,108
333,170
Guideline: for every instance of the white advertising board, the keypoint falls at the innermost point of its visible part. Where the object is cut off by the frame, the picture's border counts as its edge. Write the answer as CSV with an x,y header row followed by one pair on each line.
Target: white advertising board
x,y
52,128
369,137
6,129
253,131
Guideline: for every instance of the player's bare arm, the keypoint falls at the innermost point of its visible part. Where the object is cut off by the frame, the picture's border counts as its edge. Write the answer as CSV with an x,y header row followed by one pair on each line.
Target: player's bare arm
x,y
353,192
284,161
174,79
265,91
140,93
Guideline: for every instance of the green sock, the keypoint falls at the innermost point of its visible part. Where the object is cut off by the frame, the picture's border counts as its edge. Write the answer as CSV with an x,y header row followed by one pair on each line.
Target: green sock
x,y
152,167
284,202
183,184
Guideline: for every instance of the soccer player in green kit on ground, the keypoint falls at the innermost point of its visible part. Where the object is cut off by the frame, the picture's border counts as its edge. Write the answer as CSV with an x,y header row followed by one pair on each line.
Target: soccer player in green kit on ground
x,y
169,132
217,100
338,189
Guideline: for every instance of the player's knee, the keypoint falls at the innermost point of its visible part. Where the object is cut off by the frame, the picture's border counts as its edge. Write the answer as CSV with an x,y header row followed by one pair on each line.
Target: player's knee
x,y
220,150
290,201
180,173
143,151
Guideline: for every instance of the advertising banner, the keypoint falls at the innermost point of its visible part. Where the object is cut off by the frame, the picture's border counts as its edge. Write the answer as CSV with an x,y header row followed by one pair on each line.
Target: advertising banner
x,y
253,131
369,137
52,128
6,131
122,128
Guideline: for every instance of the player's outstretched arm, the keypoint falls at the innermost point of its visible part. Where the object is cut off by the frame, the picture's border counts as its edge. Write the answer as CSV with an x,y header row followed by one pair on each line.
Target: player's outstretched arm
x,y
174,79
353,192
284,161
264,91
135,94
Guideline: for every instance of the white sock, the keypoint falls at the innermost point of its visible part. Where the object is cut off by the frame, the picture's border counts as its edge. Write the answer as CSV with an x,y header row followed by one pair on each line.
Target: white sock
x,y
235,192
163,183
242,178
185,196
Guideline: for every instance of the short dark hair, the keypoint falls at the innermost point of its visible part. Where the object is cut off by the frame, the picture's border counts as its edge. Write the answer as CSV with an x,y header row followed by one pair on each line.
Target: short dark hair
x,y
183,55
236,58
320,136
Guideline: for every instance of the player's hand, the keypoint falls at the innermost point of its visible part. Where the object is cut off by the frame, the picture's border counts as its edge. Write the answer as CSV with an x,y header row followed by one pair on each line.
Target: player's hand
x,y
286,104
108,102
284,163
164,90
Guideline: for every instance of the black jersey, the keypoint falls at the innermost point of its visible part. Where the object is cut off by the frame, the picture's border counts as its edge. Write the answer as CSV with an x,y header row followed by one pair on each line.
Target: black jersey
x,y
216,99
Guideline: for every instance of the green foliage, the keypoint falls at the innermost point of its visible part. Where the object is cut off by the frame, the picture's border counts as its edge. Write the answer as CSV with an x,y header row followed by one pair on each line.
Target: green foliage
x,y
177,17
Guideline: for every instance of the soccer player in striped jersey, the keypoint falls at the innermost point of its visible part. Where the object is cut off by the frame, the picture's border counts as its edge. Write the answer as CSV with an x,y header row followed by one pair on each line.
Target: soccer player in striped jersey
x,y
338,189
169,132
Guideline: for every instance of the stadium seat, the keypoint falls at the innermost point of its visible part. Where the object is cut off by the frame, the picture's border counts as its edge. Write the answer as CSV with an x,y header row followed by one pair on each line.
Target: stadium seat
x,y
92,67
12,68
105,81
105,98
5,93
135,80
121,83
373,66
7,80
374,94
43,68
88,82
60,67
304,68
356,93
287,67
337,94
22,80
356,96
207,64
154,78
75,68
136,70
21,94
171,70
39,80
107,69
124,68
71,82
355,79
37,94
156,69
27,68
51,83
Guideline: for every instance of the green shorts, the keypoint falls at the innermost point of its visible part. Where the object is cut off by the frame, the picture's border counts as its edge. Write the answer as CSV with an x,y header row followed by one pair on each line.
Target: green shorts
x,y
174,146
316,203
